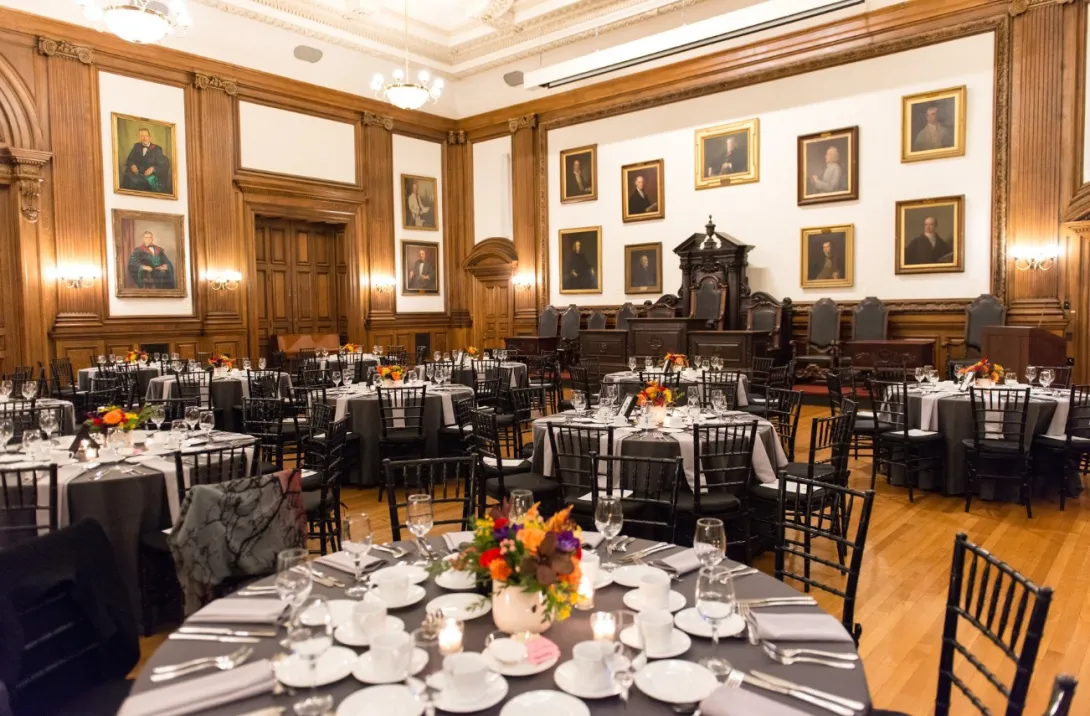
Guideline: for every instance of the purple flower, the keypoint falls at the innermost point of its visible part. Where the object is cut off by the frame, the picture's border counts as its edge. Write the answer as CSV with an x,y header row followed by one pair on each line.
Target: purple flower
x,y
567,542
502,533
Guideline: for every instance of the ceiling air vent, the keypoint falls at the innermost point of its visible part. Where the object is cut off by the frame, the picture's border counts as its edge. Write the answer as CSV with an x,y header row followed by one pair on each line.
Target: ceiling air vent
x,y
308,54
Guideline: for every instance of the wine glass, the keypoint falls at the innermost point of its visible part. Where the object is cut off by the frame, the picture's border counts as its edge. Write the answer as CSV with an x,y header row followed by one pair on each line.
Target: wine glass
x,y
356,538
101,360
1031,374
717,363
30,389
7,431
308,642
920,373
246,364
335,377
1010,378
6,386
578,401
347,379
710,541
261,363
715,603
421,517
647,364
32,438
719,402
192,416
621,659
293,579
608,519
521,502
1045,378
933,377
47,421
207,422
157,415
631,364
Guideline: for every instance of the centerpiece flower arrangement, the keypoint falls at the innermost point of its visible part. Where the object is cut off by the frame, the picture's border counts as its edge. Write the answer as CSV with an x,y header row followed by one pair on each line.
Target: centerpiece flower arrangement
x,y
115,416
472,352
223,360
533,566
656,395
391,372
134,356
350,348
985,370
677,360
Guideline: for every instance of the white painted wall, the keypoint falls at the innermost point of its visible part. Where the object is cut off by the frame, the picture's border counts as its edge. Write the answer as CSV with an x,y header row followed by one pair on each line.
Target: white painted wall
x,y
276,140
1086,113
766,214
163,103
422,158
493,210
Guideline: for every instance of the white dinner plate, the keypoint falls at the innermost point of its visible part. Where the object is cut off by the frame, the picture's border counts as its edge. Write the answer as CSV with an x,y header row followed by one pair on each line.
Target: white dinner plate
x,y
414,595
381,701
364,668
347,634
690,622
335,664
630,574
456,581
521,668
339,609
567,677
604,579
415,573
461,605
494,691
679,643
676,682
634,600
553,703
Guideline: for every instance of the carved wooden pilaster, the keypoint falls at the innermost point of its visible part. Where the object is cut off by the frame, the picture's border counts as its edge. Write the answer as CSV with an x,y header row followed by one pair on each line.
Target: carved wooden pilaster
x,y
1019,7
527,121
456,138
23,168
376,120
204,82
63,48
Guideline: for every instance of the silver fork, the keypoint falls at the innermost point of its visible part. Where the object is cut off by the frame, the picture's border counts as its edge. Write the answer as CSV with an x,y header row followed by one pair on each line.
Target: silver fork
x,y
194,662
779,658
392,550
793,652
223,663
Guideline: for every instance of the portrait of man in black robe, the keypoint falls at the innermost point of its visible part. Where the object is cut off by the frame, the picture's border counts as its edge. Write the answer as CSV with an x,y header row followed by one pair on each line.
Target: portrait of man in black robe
x,y
419,273
580,262
149,266
147,168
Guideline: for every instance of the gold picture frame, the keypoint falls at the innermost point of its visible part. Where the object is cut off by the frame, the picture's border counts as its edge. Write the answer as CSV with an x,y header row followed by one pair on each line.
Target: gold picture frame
x,y
719,145
916,251
425,215
150,171
832,269
648,277
818,182
587,159
580,275
933,125
414,283
131,279
643,191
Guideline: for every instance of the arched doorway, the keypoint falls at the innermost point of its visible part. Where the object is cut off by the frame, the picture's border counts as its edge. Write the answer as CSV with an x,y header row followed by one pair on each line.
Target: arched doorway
x,y
492,262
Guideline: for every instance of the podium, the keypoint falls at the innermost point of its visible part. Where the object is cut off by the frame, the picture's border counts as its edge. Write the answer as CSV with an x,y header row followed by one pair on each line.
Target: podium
x,y
1015,347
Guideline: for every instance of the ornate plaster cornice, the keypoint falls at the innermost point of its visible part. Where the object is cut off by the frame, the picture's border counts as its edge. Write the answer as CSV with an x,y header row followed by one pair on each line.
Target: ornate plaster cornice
x,y
204,82
23,167
527,121
1018,7
370,119
63,48
458,137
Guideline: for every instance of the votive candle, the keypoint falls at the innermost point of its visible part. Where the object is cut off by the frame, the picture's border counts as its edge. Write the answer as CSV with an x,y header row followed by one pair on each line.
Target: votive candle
x,y
603,626
450,636
588,565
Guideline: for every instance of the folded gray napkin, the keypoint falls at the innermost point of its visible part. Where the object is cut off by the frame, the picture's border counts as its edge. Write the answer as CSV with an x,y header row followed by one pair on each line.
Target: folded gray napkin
x,y
197,694
800,627
726,701
683,562
592,539
345,561
454,539
241,611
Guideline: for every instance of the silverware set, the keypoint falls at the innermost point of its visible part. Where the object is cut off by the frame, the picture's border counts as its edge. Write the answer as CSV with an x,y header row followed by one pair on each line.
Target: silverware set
x,y
830,702
392,550
223,663
636,557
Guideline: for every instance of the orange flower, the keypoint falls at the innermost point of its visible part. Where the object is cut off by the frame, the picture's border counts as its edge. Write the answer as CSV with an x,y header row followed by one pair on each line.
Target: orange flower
x,y
531,538
114,417
499,569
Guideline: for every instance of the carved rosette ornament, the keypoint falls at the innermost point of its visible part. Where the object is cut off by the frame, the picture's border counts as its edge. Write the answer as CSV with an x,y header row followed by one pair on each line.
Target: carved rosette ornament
x,y
203,82
23,168
528,121
63,48
1017,7
370,119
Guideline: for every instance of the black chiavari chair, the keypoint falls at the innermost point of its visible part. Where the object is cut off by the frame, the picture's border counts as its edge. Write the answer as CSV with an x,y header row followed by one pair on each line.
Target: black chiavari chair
x,y
649,492
1066,455
451,482
64,377
91,400
758,379
21,414
865,427
315,378
195,386
572,446
421,354
722,477
322,496
725,382
351,364
1000,607
897,444
459,437
999,448
488,392
263,418
666,380
395,354
889,372
503,474
522,421
401,411
1063,694
782,409
263,383
212,465
543,374
28,503
432,369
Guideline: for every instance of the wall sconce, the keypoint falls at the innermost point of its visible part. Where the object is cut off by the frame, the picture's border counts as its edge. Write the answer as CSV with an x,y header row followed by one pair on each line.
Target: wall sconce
x,y
78,276
223,280
1035,258
384,284
523,280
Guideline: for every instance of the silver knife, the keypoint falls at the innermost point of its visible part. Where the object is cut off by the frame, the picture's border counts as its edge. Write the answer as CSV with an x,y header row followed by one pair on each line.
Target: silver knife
x,y
270,711
646,551
177,636
850,703
796,693
223,631
779,601
332,580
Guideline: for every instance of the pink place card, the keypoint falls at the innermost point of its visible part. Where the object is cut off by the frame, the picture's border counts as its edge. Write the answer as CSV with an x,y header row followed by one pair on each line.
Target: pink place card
x,y
540,649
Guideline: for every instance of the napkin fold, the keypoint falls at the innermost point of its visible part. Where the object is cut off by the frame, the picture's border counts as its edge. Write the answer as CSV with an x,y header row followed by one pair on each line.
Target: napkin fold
x,y
454,539
241,611
198,694
801,627
683,562
592,539
345,562
726,701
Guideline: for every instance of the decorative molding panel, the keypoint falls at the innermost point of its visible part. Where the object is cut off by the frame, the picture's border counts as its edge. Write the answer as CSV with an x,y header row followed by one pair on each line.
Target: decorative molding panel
x,y
64,48
1020,6
527,121
456,137
375,120
203,82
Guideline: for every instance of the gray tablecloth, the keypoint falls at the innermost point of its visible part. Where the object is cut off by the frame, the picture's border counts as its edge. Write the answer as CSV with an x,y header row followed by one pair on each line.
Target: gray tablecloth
x,y
850,684
226,393
143,377
464,375
630,385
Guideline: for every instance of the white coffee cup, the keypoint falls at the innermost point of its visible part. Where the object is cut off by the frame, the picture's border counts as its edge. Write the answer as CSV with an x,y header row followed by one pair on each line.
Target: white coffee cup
x,y
591,662
391,587
589,564
655,590
656,627
465,674
369,618
391,652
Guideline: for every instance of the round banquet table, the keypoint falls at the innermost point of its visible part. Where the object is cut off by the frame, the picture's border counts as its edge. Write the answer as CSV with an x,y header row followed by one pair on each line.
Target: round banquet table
x,y
691,382
842,682
226,394
463,375
144,375
366,361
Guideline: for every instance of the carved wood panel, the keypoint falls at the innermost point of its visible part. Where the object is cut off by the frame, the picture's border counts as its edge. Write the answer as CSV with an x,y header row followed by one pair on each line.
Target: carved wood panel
x,y
492,313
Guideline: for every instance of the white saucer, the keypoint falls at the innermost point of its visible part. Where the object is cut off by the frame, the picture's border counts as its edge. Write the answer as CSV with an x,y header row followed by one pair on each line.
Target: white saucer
x,y
603,580
676,682
456,581
346,633
690,622
634,600
522,668
364,668
567,678
554,703
630,574
679,643
460,605
381,701
416,574
335,664
415,594
495,691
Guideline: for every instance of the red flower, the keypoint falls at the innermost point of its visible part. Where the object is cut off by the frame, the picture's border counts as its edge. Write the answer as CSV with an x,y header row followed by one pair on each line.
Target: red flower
x,y
489,556
500,523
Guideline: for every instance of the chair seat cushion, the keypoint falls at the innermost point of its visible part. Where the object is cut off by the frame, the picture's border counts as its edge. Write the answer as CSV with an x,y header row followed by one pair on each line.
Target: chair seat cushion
x,y
312,502
156,541
711,503
914,435
532,481
802,469
770,491
993,446
864,425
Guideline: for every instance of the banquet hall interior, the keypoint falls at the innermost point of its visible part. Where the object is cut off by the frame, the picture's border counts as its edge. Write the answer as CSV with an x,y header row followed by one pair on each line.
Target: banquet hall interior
x,y
357,357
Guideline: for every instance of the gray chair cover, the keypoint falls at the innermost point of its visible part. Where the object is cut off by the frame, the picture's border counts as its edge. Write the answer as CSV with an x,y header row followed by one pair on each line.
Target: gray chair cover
x,y
869,320
824,323
986,310
547,322
597,321
626,312
569,323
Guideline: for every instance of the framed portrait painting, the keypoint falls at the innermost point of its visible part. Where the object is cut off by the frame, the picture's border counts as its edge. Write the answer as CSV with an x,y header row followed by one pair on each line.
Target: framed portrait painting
x,y
933,125
643,191
643,268
829,166
828,257
149,251
419,268
144,156
581,260
579,174
930,235
419,203
728,154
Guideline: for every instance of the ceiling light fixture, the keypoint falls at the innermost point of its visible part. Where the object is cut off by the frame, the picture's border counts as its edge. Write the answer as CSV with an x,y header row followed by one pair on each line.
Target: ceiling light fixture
x,y
144,22
403,92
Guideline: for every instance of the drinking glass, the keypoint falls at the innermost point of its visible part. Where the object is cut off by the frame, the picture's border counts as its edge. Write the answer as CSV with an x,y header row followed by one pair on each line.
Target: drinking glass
x,y
157,415
207,422
704,363
176,366
631,364
116,441
933,376
293,585
246,364
178,432
356,538
1010,378
7,430
719,402
308,643
710,541
32,438
521,502
30,389
920,374
1031,374
622,661
347,379
717,363
1045,378
421,517
6,386
261,364
609,518
335,376
578,401
101,360
47,421
647,364
192,416
715,603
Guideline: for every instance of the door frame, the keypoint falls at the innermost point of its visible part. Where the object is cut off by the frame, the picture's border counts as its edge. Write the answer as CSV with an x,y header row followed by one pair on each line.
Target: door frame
x,y
492,261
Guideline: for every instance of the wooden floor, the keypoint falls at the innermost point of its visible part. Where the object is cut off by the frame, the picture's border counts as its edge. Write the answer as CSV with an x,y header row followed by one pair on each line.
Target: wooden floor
x,y
902,593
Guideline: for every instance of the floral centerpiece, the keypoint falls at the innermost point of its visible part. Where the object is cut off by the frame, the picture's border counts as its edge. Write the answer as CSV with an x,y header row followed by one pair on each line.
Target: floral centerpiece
x,y
658,398
115,416
676,360
472,352
533,566
223,360
350,348
984,372
135,356
391,373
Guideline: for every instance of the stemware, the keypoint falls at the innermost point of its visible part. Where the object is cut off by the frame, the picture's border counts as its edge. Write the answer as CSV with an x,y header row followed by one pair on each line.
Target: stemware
x,y
919,374
1045,378
1010,378
30,389
647,364
621,660
608,519
261,364
710,541
178,432
521,502
7,431
293,585
347,379
116,441
6,386
933,377
206,422
308,643
157,415
101,360
578,401
32,438
632,364
715,603
47,421
356,538
192,417
335,377
717,363
719,402
1031,374
421,517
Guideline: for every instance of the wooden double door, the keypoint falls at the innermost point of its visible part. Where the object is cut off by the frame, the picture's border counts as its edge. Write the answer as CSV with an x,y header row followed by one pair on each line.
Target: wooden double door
x,y
302,278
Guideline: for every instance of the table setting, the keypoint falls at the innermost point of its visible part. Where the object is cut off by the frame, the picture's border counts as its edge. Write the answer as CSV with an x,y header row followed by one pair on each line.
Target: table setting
x,y
372,630
464,370
691,375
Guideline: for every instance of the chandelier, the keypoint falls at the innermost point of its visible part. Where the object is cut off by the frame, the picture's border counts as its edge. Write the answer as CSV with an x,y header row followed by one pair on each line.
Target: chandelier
x,y
142,21
402,91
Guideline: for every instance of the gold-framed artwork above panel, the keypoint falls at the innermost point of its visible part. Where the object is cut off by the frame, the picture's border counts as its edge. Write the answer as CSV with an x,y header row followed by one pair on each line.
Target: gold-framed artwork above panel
x,y
579,174
643,191
145,156
728,154
643,268
930,235
828,166
827,257
933,125
581,260
149,252
419,203
419,268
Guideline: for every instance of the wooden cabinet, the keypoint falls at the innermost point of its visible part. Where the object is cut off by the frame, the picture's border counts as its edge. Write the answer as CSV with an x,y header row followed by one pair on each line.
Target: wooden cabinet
x,y
609,346
911,351
659,336
736,348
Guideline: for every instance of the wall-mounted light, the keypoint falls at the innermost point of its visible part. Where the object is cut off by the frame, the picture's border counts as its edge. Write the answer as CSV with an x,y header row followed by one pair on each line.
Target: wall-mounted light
x,y
384,284
78,276
223,280
1035,258
523,280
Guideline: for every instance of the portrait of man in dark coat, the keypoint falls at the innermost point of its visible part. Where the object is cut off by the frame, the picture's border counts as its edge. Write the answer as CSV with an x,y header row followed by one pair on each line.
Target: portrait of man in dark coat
x,y
147,167
149,266
580,261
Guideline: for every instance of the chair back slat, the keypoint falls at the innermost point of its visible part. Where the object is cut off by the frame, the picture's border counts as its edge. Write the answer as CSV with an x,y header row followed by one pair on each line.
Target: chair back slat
x,y
648,488
449,481
723,461
783,408
726,382
211,465
572,446
28,503
402,410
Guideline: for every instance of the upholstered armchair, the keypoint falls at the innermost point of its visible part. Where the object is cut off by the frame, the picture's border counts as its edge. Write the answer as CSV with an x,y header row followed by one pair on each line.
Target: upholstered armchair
x,y
547,322
821,349
870,320
709,303
624,314
597,320
985,311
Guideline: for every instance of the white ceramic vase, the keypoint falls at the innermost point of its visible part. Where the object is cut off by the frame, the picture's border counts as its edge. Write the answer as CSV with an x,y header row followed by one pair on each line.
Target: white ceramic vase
x,y
984,383
515,610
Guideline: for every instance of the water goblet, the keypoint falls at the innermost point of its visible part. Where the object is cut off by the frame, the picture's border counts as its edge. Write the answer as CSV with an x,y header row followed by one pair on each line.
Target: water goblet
x,y
192,416
308,643
47,421
261,364
521,502
6,386
1045,378
178,432
246,364
101,360
578,401
710,541
719,402
335,378
420,518
647,364
608,519
1031,374
293,585
715,602
356,539
7,431
919,374
206,422
1010,378
30,389
347,379
631,364
157,415
32,438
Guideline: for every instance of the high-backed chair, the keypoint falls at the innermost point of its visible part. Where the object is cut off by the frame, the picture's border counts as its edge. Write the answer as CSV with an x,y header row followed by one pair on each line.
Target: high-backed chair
x,y
597,320
985,311
765,313
821,349
660,309
624,314
709,302
547,322
870,320
569,334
